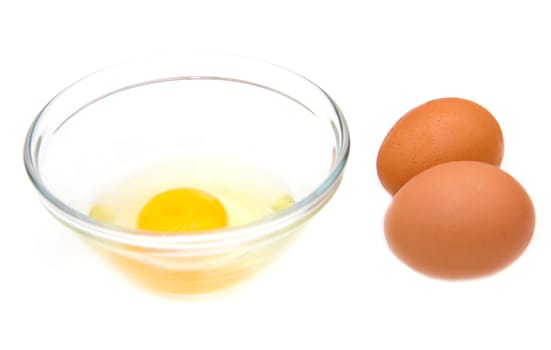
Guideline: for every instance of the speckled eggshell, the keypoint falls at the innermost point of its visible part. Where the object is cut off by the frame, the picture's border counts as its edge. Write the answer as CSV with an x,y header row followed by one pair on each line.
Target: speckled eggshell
x,y
438,131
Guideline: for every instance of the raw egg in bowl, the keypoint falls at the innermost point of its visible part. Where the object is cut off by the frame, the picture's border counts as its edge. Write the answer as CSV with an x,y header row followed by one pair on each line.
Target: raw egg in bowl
x,y
188,172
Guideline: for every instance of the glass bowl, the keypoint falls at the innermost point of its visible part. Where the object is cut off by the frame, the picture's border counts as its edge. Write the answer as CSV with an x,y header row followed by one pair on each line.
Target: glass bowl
x,y
109,142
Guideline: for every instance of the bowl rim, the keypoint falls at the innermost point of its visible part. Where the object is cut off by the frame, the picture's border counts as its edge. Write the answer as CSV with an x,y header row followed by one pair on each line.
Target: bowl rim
x,y
262,229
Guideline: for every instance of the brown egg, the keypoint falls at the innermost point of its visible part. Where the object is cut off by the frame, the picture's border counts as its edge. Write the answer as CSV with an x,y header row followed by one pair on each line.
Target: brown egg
x,y
435,132
460,219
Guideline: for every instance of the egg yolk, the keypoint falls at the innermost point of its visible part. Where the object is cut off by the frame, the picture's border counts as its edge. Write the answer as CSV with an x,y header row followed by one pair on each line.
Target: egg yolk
x,y
182,209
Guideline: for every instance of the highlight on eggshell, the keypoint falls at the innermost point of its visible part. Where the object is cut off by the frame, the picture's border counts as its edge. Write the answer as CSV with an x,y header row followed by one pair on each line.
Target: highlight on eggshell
x,y
435,132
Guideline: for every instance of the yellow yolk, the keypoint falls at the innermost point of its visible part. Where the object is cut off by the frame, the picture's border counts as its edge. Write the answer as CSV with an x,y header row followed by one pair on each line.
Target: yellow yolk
x,y
182,209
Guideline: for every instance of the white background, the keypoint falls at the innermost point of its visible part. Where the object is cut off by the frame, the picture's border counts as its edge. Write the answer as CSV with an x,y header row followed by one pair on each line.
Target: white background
x,y
339,286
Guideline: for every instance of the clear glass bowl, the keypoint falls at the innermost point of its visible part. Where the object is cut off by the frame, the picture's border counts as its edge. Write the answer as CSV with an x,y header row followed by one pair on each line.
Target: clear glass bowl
x,y
179,109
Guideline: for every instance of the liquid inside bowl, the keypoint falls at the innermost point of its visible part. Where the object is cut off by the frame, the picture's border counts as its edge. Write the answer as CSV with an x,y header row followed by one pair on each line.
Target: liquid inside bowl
x,y
235,110
247,195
